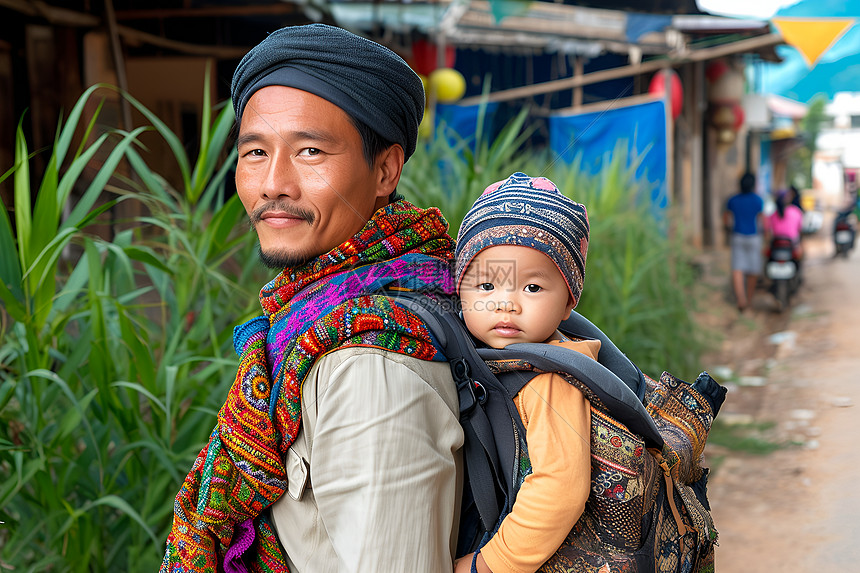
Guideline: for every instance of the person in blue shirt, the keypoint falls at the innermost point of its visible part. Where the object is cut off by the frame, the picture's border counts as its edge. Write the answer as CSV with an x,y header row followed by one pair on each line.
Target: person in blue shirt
x,y
743,214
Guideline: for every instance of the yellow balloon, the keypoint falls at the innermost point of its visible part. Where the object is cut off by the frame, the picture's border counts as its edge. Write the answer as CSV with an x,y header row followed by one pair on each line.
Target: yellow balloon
x,y
423,79
448,84
425,128
426,83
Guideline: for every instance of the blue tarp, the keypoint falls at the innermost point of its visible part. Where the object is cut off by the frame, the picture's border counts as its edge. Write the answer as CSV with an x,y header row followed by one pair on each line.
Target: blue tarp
x,y
463,120
593,137
638,130
640,24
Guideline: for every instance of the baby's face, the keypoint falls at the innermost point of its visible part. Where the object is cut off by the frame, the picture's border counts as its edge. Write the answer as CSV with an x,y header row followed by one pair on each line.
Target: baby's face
x,y
513,294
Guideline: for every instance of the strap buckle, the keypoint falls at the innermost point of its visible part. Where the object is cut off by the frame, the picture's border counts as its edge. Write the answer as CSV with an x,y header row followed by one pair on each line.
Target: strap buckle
x,y
465,387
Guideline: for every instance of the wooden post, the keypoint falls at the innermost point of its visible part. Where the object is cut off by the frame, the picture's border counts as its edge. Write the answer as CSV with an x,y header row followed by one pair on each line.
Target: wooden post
x,y
697,119
119,64
749,44
670,134
7,122
43,105
123,214
578,71
41,60
709,145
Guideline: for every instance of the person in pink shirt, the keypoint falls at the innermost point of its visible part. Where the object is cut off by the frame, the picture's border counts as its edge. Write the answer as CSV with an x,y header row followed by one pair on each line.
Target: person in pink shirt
x,y
786,221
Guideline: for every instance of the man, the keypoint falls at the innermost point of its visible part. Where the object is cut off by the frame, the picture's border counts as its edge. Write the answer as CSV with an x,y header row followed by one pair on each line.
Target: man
x,y
337,447
743,214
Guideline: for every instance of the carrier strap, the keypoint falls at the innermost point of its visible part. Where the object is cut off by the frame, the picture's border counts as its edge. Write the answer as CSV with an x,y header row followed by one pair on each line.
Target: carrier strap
x,y
609,355
491,451
489,479
621,401
670,493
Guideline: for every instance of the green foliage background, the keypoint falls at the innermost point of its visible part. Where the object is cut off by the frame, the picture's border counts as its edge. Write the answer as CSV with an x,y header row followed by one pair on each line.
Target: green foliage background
x,y
800,168
115,359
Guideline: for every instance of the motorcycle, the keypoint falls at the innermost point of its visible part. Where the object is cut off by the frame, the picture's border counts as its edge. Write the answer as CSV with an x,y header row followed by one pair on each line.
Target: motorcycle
x,y
783,269
844,232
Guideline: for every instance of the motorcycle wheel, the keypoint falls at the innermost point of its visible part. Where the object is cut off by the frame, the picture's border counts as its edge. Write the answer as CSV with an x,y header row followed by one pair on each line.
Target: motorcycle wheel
x,y
781,294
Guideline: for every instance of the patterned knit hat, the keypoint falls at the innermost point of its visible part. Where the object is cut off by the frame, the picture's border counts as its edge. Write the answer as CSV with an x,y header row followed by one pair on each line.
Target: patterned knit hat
x,y
528,212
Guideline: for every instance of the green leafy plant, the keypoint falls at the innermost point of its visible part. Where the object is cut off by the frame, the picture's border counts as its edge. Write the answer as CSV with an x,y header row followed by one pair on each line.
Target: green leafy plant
x,y
113,362
751,438
640,284
31,256
54,459
200,235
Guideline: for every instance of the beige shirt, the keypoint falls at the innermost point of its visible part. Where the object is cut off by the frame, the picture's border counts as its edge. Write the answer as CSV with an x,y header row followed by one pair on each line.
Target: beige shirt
x,y
375,471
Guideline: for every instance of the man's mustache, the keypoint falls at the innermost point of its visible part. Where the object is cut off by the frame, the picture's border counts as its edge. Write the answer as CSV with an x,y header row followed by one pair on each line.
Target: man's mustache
x,y
257,215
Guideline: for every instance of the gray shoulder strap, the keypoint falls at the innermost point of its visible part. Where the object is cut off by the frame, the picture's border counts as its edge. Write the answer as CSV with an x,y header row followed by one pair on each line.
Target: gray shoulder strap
x,y
623,404
610,356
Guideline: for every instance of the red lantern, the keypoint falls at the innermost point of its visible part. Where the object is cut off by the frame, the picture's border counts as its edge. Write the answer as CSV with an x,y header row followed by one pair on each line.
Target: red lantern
x,y
424,57
723,117
738,109
715,69
657,87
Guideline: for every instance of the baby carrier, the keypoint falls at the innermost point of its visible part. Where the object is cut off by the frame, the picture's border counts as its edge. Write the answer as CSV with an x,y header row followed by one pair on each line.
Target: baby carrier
x,y
647,509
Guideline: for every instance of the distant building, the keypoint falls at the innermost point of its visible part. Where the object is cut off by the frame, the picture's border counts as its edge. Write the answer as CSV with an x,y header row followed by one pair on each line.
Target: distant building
x,y
837,161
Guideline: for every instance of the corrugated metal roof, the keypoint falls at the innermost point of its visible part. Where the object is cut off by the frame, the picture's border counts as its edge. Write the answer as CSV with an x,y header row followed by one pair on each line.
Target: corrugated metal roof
x,y
547,26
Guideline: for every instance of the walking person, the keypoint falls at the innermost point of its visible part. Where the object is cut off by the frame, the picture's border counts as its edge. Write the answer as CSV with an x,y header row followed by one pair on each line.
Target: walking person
x,y
337,448
743,215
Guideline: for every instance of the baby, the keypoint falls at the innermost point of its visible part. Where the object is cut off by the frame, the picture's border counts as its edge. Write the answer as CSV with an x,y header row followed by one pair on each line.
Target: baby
x,y
520,264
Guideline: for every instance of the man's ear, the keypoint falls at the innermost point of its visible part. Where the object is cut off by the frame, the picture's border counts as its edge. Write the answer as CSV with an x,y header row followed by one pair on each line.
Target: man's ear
x,y
389,166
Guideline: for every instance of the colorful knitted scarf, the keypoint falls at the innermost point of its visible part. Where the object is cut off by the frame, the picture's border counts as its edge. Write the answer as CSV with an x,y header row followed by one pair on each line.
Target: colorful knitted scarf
x,y
330,302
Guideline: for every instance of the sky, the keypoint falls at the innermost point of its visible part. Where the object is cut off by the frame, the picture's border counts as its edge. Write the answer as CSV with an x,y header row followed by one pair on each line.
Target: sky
x,y
837,70
744,8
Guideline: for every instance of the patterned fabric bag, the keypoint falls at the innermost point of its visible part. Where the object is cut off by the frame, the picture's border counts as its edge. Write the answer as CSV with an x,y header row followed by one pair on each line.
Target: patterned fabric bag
x,y
645,512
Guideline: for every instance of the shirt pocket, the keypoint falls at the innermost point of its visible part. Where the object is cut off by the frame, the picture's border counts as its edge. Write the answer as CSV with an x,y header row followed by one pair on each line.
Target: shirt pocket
x,y
297,474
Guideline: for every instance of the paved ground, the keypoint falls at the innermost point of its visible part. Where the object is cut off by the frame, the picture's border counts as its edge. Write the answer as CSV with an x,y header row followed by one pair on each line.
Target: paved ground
x,y
797,509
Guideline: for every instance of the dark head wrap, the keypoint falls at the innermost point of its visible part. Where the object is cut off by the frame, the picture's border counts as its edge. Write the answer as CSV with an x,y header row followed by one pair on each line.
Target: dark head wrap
x,y
366,80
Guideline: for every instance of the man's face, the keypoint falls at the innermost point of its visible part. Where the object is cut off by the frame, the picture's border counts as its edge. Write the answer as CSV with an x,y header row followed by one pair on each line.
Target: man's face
x,y
513,294
302,175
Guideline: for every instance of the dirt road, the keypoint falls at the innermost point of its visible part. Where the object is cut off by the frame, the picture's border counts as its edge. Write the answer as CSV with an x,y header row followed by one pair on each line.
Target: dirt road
x,y
798,509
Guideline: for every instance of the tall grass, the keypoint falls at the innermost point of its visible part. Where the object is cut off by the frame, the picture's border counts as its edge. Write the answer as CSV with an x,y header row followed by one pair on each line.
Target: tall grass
x,y
640,284
67,333
113,366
